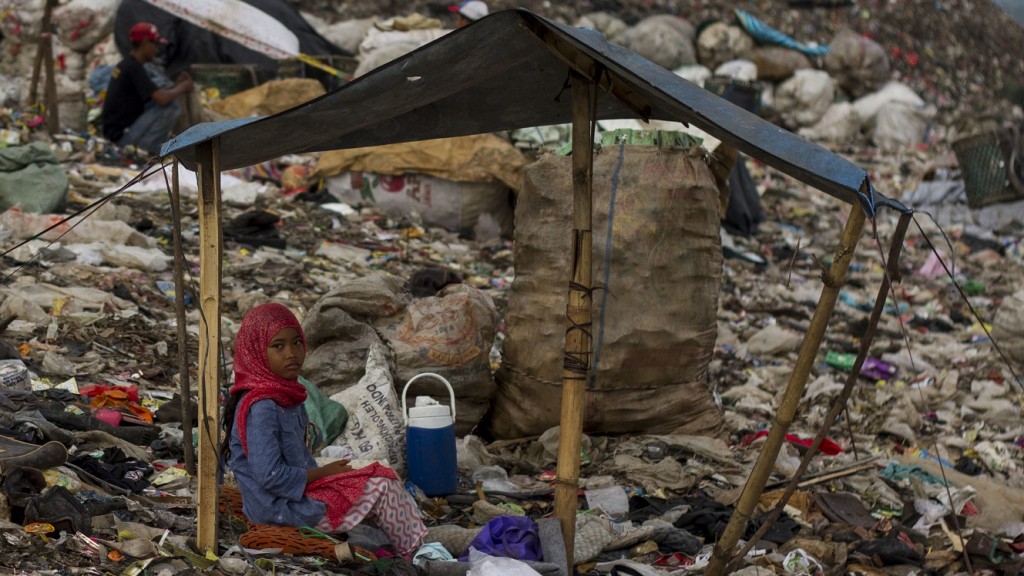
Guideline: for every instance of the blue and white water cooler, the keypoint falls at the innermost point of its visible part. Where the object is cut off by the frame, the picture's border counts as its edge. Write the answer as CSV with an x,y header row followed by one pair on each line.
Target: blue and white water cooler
x,y
430,441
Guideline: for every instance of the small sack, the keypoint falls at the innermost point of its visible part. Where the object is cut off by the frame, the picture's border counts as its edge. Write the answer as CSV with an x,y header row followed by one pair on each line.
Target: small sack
x,y
375,428
508,537
328,416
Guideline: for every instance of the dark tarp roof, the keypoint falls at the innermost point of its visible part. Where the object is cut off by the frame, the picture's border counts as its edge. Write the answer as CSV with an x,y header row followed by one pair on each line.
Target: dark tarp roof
x,y
507,71
189,44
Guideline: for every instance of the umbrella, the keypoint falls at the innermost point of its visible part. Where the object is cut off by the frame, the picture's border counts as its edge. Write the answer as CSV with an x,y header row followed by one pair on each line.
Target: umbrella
x,y
245,24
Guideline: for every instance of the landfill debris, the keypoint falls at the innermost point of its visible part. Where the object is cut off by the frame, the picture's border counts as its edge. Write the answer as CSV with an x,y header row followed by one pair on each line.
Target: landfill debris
x,y
398,267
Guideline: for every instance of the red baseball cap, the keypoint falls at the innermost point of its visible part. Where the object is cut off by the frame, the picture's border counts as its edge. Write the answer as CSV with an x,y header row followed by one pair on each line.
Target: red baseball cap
x,y
145,31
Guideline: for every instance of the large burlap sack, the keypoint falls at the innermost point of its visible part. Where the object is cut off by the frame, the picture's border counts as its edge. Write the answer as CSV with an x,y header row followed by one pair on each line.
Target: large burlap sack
x,y
803,99
720,43
348,34
858,64
695,73
776,63
1008,328
658,258
610,25
839,124
869,105
269,98
454,206
77,230
450,335
899,125
664,39
71,105
339,330
738,69
104,53
81,24
473,158
380,47
32,179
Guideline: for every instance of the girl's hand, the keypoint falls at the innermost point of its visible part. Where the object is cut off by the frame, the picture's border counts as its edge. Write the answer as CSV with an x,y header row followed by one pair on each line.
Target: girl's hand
x,y
330,469
336,467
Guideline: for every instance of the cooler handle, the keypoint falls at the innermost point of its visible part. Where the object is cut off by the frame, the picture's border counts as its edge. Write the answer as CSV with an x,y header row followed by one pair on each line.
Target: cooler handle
x,y
451,393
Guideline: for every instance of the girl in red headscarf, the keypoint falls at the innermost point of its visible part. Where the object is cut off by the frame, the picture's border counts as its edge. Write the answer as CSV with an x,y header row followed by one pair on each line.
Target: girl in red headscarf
x,y
269,436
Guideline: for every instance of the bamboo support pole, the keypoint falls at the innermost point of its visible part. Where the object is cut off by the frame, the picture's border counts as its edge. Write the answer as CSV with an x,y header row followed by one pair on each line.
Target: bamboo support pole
x,y
37,60
578,341
184,389
37,67
892,274
210,252
833,281
50,93
43,62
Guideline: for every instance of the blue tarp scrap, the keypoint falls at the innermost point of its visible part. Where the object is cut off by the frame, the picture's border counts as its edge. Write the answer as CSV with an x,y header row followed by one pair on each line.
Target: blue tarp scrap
x,y
765,34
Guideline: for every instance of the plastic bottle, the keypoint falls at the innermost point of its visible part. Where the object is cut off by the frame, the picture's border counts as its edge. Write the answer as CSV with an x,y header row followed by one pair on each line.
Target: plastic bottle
x,y
872,368
840,360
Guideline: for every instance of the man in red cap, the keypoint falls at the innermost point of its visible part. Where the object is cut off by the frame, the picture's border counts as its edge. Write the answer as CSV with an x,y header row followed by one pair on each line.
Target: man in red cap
x,y
469,11
136,111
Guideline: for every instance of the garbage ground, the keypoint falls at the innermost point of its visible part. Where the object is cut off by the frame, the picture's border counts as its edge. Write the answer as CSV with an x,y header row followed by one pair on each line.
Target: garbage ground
x,y
922,473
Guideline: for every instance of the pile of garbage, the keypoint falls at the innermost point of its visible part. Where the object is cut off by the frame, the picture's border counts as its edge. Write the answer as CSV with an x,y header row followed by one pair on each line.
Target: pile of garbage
x,y
396,271
970,67
836,75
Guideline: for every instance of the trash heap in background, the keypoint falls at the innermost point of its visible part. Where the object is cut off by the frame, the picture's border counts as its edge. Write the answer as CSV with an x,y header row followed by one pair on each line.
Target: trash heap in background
x,y
923,473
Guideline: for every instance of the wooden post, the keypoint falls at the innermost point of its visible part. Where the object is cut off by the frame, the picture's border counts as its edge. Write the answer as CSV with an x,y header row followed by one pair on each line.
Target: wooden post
x,y
210,252
37,61
184,389
44,62
833,279
892,274
578,341
52,108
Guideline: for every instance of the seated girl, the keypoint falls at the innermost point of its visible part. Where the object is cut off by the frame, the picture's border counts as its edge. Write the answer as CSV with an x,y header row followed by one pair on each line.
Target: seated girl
x,y
269,433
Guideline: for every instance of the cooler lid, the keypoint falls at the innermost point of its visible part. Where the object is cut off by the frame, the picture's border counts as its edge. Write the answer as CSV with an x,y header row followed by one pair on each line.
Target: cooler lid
x,y
432,411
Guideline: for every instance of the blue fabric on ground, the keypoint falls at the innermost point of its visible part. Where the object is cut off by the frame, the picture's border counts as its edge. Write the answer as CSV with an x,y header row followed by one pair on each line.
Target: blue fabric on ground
x,y
765,34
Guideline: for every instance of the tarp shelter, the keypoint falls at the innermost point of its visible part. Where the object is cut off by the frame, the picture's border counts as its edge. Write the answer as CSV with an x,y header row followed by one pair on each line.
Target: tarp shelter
x,y
510,70
189,44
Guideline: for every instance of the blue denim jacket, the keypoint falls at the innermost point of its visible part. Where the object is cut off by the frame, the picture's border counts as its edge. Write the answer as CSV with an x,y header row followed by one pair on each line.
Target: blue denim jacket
x,y
272,478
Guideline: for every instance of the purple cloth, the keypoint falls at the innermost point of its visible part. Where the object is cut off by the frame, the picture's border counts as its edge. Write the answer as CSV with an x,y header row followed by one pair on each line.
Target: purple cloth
x,y
876,369
510,537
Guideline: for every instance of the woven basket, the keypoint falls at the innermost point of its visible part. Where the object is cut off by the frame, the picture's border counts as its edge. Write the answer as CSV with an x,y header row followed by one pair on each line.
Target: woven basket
x,y
984,160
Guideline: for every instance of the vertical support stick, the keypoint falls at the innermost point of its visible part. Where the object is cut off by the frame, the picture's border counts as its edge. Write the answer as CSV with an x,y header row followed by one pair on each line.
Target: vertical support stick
x,y
578,341
44,62
892,274
833,279
50,91
184,389
37,61
210,251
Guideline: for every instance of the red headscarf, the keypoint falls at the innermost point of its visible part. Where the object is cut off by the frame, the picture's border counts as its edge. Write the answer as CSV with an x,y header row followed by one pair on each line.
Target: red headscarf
x,y
252,372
